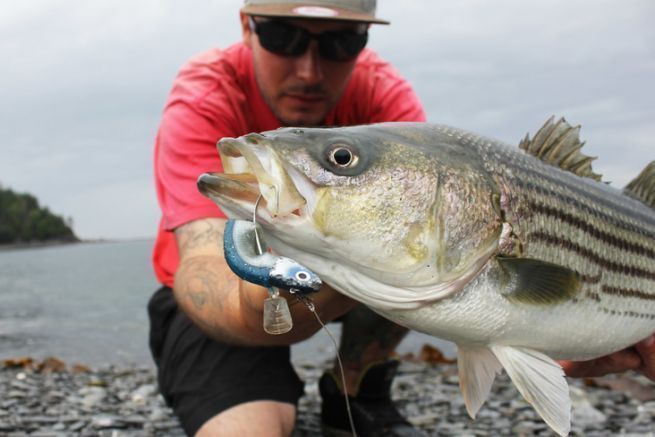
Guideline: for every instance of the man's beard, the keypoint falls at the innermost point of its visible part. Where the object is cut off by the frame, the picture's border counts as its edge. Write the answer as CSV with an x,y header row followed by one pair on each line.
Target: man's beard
x,y
300,89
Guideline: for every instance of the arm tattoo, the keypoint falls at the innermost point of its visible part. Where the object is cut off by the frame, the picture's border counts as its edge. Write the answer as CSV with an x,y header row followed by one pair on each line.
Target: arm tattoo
x,y
203,282
197,234
198,298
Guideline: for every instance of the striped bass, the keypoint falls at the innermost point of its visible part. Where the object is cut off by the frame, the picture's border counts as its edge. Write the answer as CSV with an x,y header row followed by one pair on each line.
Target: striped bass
x,y
521,256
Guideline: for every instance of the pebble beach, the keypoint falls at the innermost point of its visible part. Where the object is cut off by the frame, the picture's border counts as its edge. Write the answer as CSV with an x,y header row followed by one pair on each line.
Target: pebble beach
x,y
51,399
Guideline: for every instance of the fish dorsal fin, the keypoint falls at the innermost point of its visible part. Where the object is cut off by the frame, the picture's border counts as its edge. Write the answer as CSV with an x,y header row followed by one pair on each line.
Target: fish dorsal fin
x,y
541,381
536,282
558,144
477,367
643,186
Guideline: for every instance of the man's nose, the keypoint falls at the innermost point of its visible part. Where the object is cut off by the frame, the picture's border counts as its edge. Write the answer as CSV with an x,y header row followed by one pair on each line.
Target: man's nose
x,y
308,65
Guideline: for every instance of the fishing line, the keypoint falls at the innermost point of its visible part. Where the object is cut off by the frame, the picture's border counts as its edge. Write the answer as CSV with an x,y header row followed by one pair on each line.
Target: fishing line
x,y
312,308
307,301
254,220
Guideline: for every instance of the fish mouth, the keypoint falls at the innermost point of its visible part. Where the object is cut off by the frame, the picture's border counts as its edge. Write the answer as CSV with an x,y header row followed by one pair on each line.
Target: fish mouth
x,y
253,169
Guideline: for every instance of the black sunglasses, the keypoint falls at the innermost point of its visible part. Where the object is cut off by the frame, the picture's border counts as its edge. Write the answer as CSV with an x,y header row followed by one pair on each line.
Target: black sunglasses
x,y
285,39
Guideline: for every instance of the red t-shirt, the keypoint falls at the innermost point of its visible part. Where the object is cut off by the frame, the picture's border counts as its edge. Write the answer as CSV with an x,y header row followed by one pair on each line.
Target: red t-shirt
x,y
214,96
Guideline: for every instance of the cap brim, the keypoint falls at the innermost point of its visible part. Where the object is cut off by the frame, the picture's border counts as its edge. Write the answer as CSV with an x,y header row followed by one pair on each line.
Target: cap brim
x,y
311,13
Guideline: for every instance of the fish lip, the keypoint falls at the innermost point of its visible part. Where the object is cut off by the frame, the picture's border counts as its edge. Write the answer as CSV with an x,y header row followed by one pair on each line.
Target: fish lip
x,y
216,185
252,168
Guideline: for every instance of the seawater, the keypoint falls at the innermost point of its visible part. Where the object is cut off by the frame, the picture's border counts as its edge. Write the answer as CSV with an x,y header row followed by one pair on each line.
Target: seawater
x,y
86,303
80,302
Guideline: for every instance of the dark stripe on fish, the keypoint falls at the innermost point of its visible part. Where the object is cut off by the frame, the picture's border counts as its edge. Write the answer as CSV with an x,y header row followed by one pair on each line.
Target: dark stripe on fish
x,y
635,314
607,238
627,292
593,296
588,279
601,215
606,264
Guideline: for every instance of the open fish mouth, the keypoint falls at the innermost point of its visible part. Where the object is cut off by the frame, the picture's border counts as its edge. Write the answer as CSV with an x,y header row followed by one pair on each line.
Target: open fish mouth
x,y
252,168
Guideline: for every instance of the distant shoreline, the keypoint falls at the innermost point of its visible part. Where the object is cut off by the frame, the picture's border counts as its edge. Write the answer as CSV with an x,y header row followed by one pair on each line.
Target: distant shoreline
x,y
37,244
54,243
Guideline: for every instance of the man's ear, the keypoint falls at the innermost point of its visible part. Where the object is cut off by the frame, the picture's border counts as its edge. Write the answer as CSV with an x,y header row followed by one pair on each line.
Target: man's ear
x,y
245,29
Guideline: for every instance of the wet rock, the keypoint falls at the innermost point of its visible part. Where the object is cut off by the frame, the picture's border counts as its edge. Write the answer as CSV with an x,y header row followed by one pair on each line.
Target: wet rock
x,y
4,426
158,414
583,413
101,421
143,393
135,420
58,427
40,420
77,426
47,434
92,396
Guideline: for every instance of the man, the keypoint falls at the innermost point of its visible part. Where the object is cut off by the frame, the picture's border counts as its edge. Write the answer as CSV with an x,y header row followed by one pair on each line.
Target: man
x,y
299,64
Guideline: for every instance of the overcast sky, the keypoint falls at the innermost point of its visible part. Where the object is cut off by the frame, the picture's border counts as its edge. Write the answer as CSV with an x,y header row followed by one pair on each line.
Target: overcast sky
x,y
83,84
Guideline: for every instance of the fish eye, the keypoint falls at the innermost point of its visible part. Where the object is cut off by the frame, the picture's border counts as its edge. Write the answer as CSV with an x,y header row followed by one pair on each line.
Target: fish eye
x,y
302,276
342,157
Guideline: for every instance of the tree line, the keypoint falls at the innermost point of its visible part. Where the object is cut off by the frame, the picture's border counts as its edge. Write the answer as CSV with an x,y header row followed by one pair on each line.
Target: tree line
x,y
23,220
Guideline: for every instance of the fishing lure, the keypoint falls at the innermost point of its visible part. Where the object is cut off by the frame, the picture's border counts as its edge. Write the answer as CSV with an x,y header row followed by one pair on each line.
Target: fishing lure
x,y
246,257
244,253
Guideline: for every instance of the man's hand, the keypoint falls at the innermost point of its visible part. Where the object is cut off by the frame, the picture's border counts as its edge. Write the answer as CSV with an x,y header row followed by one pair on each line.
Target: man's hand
x,y
640,357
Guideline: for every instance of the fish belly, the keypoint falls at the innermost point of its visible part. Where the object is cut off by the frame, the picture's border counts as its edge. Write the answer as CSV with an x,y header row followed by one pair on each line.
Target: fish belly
x,y
480,315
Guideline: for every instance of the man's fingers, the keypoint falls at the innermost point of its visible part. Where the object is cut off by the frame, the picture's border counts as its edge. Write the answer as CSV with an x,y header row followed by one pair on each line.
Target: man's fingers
x,y
639,357
627,359
621,361
646,350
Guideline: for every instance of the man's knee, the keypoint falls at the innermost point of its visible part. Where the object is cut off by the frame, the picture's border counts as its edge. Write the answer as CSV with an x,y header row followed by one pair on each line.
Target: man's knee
x,y
270,418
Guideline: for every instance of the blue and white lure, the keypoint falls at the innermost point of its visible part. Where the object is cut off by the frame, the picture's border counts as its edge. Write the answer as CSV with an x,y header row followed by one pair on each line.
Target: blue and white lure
x,y
248,257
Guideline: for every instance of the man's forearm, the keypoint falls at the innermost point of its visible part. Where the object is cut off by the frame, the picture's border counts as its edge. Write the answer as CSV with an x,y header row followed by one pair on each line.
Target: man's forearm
x,y
209,297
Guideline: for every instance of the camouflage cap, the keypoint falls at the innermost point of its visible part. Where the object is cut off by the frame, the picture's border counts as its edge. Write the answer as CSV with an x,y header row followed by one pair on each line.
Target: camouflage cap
x,y
345,10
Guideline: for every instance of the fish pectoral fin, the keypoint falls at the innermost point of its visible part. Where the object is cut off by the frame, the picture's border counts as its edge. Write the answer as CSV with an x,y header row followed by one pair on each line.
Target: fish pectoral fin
x,y
537,282
541,381
477,367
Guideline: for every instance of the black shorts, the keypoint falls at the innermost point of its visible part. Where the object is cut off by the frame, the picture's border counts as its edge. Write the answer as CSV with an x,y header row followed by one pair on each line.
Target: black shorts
x,y
200,377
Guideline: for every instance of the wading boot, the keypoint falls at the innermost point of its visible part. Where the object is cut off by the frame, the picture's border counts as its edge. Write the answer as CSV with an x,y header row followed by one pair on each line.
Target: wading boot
x,y
373,411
